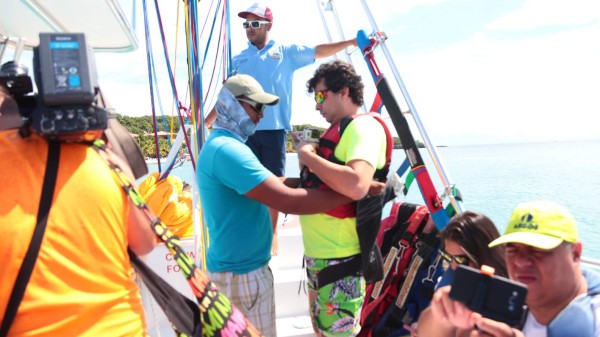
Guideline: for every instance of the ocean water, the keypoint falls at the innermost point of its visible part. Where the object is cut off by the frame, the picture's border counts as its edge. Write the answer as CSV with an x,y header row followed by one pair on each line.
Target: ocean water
x,y
493,179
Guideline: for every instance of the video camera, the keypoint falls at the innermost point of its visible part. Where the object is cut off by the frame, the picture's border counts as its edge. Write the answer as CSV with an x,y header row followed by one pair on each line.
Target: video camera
x,y
69,105
310,135
65,107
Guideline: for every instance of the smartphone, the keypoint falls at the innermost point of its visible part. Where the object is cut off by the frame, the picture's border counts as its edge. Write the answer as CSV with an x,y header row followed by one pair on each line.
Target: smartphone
x,y
494,297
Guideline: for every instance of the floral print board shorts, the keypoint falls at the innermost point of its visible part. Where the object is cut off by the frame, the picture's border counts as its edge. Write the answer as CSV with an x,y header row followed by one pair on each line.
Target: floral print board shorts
x,y
336,310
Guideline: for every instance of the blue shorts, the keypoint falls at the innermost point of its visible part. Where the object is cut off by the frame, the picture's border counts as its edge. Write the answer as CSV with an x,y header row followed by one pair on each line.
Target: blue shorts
x,y
269,146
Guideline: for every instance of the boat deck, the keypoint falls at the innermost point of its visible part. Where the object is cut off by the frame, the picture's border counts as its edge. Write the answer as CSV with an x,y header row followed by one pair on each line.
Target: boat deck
x,y
291,300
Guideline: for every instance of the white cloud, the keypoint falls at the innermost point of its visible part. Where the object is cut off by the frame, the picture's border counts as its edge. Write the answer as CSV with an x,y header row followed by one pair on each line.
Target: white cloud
x,y
542,13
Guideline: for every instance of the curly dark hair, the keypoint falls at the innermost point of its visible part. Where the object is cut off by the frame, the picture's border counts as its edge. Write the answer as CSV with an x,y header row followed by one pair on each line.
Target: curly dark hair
x,y
474,231
336,76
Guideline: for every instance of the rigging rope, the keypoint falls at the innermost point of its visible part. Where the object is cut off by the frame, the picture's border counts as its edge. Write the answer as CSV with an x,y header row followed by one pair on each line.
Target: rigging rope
x,y
149,61
172,79
175,69
217,18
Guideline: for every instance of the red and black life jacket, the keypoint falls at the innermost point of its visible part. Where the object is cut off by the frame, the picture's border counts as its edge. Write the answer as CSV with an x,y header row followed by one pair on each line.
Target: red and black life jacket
x,y
327,144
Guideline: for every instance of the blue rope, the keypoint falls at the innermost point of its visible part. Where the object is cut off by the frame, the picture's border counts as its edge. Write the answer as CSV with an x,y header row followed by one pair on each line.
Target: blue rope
x,y
196,72
153,72
228,50
148,60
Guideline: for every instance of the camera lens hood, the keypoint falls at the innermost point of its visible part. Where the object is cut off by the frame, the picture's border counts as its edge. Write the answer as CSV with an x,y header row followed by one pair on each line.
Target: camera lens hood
x,y
13,69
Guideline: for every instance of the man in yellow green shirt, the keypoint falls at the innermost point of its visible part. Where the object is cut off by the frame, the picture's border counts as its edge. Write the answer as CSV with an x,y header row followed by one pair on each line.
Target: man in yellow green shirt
x,y
350,153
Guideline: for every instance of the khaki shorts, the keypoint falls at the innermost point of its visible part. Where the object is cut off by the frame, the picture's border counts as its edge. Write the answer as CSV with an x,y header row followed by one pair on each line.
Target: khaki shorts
x,y
253,294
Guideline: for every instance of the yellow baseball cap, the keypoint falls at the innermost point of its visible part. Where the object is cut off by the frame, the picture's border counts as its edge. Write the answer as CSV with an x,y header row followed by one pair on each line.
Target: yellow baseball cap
x,y
541,224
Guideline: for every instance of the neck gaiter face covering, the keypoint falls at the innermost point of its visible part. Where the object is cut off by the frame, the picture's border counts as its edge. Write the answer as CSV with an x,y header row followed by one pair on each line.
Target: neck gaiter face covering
x,y
232,117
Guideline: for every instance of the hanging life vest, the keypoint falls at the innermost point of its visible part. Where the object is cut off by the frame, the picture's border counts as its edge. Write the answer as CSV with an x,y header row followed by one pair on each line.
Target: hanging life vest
x,y
327,144
411,268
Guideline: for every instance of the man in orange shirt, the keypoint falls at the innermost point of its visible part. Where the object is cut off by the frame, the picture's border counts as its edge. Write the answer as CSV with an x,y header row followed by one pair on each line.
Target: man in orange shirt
x,y
81,283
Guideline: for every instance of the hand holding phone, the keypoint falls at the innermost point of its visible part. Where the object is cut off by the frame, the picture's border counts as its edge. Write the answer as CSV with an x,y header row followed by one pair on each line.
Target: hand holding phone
x,y
494,297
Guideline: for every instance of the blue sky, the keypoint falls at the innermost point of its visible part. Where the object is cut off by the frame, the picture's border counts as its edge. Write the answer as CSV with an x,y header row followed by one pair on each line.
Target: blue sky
x,y
477,71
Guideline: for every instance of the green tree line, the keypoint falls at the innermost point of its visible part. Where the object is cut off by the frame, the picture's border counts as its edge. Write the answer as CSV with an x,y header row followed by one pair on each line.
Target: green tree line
x,y
143,130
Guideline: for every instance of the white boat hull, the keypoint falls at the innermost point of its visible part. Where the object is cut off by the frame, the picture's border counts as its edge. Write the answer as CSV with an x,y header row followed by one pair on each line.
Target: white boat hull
x,y
291,299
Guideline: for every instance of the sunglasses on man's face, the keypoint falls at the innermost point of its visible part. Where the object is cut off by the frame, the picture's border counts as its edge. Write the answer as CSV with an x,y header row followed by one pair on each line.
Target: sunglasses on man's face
x,y
320,96
259,107
254,24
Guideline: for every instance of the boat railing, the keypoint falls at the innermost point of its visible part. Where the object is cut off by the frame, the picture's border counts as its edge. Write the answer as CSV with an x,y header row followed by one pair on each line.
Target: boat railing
x,y
590,262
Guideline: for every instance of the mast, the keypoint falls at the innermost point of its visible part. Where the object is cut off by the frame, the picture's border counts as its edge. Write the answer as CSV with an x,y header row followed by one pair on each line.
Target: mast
x,y
437,160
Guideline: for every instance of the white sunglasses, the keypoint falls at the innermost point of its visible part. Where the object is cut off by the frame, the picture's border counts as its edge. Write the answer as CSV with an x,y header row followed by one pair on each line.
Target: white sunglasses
x,y
255,23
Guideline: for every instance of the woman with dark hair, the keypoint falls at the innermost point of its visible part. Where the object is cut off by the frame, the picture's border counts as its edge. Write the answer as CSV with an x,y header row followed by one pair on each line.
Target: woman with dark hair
x,y
464,241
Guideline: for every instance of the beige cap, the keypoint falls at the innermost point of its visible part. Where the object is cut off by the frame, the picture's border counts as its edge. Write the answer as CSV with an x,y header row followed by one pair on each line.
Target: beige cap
x,y
245,85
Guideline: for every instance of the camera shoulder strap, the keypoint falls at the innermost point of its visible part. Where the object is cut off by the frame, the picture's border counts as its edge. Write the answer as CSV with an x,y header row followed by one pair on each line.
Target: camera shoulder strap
x,y
36,241
183,313
123,144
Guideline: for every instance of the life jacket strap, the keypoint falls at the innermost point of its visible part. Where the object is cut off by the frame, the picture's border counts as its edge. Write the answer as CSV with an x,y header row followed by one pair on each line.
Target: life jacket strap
x,y
330,274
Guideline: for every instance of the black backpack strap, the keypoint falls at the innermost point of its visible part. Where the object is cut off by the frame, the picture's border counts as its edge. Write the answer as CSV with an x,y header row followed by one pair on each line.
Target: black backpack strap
x,y
368,221
36,241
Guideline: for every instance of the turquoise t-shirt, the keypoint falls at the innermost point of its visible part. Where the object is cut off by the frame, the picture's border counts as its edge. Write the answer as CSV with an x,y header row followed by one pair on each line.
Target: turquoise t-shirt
x,y
240,230
273,67
327,237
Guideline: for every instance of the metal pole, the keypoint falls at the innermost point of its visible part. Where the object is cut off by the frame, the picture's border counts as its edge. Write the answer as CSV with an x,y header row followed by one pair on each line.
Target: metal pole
x,y
339,28
3,45
19,49
320,7
437,161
